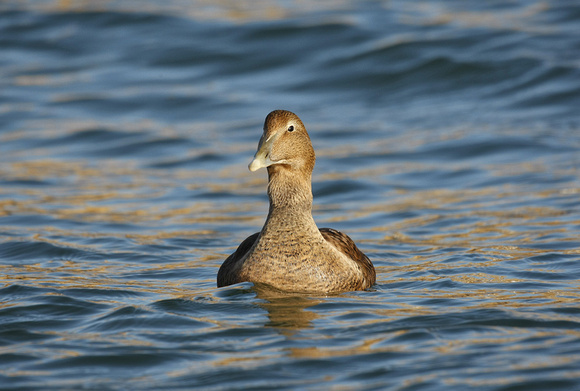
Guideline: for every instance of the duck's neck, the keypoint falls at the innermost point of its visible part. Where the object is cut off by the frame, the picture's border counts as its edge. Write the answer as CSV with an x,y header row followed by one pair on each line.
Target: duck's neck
x,y
290,194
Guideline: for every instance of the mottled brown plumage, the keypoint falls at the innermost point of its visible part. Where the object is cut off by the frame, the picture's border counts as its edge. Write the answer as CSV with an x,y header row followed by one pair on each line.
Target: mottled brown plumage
x,y
290,252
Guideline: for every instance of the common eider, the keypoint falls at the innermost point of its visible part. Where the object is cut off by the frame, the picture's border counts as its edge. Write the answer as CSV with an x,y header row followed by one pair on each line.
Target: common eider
x,y
290,253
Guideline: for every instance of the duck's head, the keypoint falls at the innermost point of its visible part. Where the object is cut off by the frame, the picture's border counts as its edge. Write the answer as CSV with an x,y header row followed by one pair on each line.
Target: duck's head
x,y
284,143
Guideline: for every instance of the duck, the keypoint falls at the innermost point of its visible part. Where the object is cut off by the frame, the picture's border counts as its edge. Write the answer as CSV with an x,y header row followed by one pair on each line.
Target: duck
x,y
291,253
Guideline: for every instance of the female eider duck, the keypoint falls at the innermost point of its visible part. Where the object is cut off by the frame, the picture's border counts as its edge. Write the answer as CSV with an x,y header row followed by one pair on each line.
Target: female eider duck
x,y
290,253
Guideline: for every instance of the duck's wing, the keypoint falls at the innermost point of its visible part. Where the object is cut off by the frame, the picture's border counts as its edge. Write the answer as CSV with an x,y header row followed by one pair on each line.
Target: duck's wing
x,y
227,275
346,245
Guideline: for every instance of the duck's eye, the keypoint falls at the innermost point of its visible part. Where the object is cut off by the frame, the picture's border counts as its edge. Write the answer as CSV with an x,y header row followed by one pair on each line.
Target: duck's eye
x,y
291,128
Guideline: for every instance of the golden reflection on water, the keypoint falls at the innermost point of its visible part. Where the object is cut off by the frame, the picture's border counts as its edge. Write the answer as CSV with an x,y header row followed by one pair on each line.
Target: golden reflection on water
x,y
243,11
238,11
426,13
485,223
122,193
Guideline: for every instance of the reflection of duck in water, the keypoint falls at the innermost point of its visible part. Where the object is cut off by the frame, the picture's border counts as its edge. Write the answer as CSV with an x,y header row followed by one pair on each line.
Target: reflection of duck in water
x,y
291,253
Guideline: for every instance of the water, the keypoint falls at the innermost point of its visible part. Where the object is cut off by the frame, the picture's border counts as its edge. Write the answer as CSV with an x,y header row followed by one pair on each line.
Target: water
x,y
448,145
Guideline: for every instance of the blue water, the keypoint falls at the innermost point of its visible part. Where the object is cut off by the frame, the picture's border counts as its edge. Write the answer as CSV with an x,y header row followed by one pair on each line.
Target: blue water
x,y
447,136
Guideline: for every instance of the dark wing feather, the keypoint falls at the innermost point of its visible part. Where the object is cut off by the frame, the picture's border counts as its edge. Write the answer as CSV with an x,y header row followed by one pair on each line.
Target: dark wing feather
x,y
227,275
347,246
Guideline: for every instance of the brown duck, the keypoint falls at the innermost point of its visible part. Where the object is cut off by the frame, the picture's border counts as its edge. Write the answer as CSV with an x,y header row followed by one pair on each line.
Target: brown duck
x,y
290,253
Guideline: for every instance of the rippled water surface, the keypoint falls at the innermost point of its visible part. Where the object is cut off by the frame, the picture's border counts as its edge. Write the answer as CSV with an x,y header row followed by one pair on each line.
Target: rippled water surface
x,y
448,142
